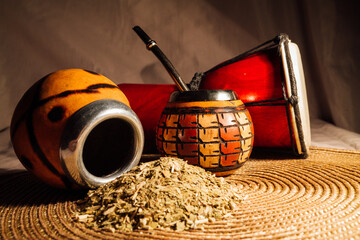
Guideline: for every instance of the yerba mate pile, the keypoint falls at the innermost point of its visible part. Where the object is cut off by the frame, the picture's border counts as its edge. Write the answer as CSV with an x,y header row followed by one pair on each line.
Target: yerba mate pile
x,y
167,193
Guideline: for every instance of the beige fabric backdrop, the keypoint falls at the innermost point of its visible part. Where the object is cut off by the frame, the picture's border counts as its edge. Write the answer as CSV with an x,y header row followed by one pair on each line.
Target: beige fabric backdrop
x,y
38,37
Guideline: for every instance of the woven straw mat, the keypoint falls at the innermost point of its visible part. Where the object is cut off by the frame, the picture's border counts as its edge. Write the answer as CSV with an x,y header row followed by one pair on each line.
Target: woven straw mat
x,y
313,198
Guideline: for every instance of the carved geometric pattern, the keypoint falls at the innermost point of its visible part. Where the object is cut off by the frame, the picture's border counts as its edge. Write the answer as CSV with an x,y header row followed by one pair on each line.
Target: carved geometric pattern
x,y
218,139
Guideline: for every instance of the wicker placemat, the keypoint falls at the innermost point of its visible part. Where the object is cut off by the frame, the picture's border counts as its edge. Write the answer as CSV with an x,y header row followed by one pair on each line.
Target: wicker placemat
x,y
318,198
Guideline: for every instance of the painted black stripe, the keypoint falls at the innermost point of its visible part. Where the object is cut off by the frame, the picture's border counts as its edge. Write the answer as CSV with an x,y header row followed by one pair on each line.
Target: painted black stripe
x,y
28,118
92,72
225,168
101,85
56,114
35,146
22,118
89,89
33,141
200,127
32,138
202,142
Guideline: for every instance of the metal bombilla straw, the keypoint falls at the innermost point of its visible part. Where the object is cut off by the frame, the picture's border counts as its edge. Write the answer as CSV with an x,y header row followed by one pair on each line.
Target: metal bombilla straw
x,y
152,45
184,93
190,107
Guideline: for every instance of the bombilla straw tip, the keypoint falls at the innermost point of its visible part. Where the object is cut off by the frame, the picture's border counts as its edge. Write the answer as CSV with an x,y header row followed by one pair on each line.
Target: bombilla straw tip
x,y
143,36
151,45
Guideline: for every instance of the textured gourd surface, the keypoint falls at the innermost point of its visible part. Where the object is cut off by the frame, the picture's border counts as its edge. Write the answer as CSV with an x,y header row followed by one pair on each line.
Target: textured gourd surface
x,y
217,135
41,115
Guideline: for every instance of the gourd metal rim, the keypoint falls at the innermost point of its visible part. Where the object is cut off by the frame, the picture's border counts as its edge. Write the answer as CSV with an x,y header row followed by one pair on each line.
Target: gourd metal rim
x,y
203,95
78,128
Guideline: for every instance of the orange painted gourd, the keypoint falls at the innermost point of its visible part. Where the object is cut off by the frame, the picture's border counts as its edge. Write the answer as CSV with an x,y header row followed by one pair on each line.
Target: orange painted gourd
x,y
216,135
41,115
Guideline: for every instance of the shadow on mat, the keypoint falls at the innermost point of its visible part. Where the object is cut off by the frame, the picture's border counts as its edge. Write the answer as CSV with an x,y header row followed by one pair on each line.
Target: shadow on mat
x,y
21,188
263,153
